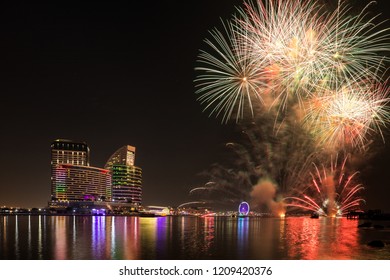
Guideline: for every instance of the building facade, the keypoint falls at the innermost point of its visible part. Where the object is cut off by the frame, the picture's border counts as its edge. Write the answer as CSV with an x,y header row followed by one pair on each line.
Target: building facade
x,y
69,152
123,156
81,183
126,184
126,177
72,179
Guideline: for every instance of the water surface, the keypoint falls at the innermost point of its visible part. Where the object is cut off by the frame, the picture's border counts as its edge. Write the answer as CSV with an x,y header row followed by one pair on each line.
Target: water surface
x,y
118,237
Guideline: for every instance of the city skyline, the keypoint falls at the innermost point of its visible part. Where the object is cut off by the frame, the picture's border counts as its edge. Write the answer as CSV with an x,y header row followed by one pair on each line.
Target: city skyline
x,y
117,74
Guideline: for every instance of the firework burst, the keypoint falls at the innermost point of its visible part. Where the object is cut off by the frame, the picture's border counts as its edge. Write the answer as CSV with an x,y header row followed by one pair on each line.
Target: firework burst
x,y
332,191
228,83
283,44
278,53
347,117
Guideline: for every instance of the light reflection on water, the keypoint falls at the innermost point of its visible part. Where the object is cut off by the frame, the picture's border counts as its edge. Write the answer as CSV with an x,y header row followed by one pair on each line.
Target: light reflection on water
x,y
109,237
17,237
59,227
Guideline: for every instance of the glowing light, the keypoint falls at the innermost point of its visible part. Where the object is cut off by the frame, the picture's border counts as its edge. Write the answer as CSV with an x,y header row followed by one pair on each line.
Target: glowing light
x,y
207,215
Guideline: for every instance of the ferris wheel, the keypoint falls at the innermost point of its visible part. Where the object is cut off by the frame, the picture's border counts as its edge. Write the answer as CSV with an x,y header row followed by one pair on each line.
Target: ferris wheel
x,y
243,209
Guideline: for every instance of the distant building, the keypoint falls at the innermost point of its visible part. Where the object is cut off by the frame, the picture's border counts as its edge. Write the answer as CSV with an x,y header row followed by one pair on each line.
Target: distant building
x,y
72,179
157,210
126,177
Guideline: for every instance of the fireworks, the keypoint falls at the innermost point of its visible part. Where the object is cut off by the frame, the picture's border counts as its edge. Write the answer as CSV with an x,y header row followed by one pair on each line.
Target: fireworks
x,y
317,77
229,83
282,42
287,53
345,118
331,193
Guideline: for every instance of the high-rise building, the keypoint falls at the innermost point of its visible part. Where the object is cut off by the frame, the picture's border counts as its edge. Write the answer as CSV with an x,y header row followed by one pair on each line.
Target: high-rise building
x,y
126,177
72,179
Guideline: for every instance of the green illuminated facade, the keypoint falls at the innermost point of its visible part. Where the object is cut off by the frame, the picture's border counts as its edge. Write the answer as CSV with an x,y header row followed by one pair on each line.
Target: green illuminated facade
x,y
126,177
126,183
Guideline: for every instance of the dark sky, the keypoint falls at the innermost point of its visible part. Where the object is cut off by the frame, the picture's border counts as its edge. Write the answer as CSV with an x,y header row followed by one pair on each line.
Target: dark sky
x,y
113,73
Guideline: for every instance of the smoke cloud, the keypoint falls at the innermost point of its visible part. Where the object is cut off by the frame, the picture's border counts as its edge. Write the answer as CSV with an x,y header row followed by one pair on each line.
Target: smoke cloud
x,y
264,193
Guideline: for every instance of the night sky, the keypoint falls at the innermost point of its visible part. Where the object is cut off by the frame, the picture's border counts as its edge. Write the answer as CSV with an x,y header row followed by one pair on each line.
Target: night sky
x,y
114,73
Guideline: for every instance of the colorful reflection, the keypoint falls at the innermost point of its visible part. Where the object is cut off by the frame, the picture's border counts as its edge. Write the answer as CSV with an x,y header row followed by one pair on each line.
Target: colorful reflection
x,y
161,245
324,238
59,228
302,238
242,236
17,237
98,236
29,236
345,239
40,247
112,239
106,237
209,232
154,236
127,238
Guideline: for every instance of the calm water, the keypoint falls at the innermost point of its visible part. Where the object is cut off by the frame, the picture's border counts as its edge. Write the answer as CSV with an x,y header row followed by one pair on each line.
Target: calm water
x,y
93,237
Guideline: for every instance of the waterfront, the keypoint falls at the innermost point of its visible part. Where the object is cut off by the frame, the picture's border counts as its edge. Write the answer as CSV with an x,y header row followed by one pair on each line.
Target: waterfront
x,y
180,237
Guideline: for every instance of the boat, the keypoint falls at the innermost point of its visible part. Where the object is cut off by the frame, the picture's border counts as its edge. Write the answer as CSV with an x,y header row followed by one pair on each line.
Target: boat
x,y
314,215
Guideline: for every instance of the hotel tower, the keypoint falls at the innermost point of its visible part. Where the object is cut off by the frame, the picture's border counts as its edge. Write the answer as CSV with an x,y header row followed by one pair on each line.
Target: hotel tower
x,y
126,177
72,179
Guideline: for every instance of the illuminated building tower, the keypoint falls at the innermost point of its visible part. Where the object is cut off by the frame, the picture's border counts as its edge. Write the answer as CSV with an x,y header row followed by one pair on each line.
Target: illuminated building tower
x,y
126,177
72,179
